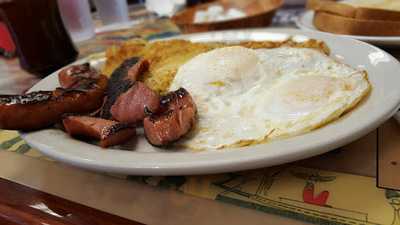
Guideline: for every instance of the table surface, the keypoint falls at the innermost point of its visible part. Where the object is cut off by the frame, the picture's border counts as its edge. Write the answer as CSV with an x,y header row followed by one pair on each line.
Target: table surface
x,y
23,205
36,191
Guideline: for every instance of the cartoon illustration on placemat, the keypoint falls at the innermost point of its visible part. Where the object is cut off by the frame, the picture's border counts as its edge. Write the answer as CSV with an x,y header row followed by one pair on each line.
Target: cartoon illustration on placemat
x,y
309,190
298,193
394,200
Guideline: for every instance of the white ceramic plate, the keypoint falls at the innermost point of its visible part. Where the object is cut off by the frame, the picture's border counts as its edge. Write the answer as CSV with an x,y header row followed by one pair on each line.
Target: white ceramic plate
x,y
305,22
144,159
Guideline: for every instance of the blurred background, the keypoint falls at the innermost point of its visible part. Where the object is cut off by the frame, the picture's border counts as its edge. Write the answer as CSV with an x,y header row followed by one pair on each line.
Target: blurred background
x,y
73,22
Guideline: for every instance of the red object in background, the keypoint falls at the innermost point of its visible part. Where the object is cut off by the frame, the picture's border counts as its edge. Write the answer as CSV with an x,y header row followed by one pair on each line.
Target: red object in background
x,y
6,41
42,43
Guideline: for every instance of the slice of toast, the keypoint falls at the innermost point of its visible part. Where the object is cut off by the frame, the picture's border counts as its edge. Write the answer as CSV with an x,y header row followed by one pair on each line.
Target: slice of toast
x,y
341,18
393,5
346,25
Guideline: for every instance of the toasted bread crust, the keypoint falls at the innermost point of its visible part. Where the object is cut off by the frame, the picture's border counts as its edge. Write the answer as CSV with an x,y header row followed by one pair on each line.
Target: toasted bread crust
x,y
344,25
341,18
346,10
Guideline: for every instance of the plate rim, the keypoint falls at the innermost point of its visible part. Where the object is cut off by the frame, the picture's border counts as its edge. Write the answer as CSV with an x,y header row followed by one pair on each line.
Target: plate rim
x,y
225,164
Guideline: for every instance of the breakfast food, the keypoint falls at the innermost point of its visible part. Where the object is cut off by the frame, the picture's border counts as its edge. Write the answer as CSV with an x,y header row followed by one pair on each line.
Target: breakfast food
x,y
357,17
250,92
130,106
377,4
109,132
268,93
76,75
176,117
138,69
197,95
165,57
41,109
119,83
81,98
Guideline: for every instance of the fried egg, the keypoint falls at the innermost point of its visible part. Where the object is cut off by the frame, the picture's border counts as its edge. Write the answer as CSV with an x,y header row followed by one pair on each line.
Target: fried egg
x,y
247,96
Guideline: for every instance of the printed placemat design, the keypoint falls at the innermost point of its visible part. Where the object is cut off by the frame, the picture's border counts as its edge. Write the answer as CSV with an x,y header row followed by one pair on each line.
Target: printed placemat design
x,y
316,196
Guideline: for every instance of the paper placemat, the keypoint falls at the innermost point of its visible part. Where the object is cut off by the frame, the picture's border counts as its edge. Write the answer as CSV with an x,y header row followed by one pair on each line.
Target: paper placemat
x,y
311,195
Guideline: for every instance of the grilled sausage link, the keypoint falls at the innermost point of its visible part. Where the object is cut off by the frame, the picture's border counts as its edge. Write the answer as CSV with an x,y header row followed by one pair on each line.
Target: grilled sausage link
x,y
73,76
129,106
175,119
107,131
41,109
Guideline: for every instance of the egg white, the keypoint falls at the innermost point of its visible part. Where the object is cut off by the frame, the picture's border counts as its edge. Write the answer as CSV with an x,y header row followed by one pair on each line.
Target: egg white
x,y
247,96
